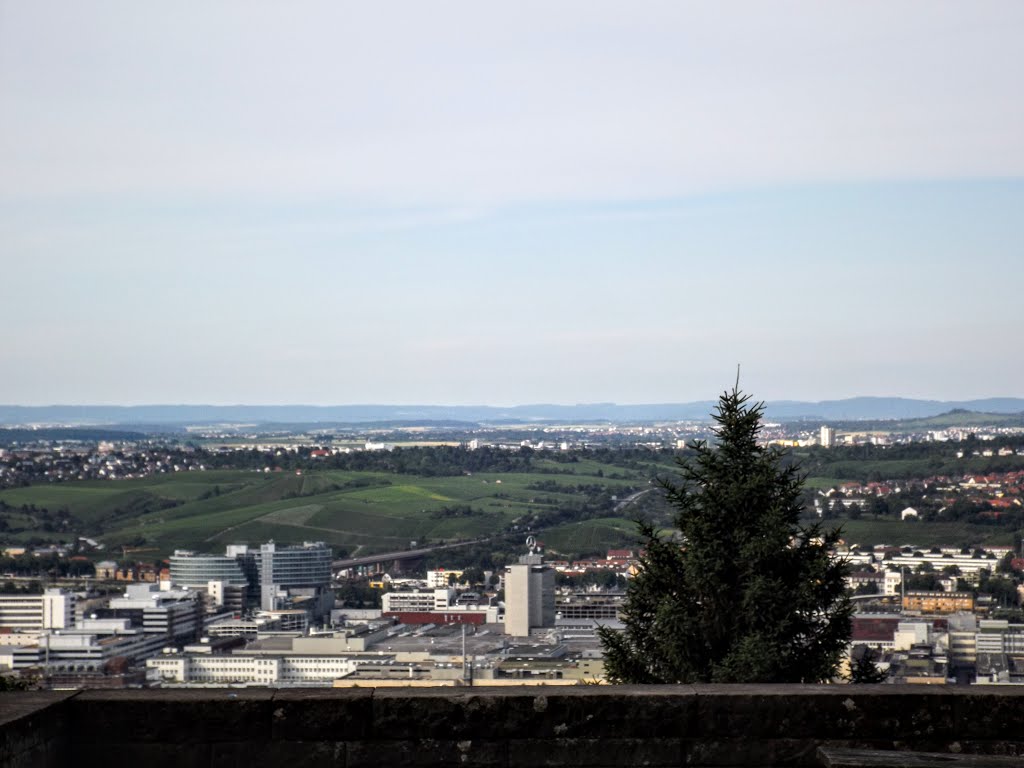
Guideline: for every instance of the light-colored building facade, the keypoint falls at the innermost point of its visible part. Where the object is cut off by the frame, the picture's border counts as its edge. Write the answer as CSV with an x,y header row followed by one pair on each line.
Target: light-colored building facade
x,y
86,648
189,569
279,661
441,578
54,609
998,636
251,670
893,582
436,606
529,596
174,614
416,601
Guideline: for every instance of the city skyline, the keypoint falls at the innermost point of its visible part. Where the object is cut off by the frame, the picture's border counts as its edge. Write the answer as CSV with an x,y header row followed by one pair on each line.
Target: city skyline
x,y
334,204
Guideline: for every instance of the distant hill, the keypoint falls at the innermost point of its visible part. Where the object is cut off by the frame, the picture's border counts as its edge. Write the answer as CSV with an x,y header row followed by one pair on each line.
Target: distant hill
x,y
858,408
957,418
171,416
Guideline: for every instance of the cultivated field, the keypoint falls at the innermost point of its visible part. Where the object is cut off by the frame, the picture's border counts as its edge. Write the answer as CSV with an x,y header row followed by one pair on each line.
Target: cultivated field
x,y
921,534
573,506
357,512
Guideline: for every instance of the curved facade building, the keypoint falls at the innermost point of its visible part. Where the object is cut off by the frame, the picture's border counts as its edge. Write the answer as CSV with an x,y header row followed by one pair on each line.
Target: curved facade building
x,y
275,574
196,571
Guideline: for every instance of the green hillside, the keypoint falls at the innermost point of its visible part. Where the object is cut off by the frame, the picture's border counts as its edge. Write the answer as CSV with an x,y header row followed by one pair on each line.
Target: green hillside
x,y
357,512
920,534
572,503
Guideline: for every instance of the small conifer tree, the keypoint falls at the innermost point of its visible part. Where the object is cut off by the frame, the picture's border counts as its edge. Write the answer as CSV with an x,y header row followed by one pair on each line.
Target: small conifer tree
x,y
863,668
744,593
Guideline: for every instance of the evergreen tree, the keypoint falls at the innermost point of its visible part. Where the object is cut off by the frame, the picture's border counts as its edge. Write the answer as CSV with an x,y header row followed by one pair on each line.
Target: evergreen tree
x,y
744,593
863,668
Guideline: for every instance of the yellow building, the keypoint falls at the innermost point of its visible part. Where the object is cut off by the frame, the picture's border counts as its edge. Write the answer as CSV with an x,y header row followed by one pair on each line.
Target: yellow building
x,y
938,602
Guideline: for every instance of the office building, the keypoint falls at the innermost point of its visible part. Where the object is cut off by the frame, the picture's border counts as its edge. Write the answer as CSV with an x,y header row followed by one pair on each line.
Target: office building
x,y
303,570
441,578
438,606
529,596
173,614
417,600
85,648
228,579
252,670
54,609
280,577
189,569
276,661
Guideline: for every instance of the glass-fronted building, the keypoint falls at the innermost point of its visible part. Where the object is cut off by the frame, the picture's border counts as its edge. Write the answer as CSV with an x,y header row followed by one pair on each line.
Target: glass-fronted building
x,y
191,570
274,574
305,568
308,565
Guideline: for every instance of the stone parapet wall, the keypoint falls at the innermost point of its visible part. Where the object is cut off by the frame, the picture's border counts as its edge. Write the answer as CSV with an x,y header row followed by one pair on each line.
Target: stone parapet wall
x,y
529,726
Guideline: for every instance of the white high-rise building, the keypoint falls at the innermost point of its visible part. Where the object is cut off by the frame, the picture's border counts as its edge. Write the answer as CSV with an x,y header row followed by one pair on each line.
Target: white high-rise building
x,y
828,437
529,596
54,609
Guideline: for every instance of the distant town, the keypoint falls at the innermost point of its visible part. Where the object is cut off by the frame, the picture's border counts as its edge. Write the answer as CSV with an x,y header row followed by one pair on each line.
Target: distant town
x,y
449,555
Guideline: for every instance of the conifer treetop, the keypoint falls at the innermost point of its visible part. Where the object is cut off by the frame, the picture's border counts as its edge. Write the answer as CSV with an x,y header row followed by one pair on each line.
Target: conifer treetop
x,y
742,592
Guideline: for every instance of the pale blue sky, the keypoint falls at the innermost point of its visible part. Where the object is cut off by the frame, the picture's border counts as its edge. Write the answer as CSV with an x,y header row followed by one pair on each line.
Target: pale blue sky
x,y
454,203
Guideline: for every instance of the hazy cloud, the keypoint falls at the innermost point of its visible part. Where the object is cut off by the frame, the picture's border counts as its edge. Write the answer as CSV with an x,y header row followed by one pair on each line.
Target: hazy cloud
x,y
461,102
471,202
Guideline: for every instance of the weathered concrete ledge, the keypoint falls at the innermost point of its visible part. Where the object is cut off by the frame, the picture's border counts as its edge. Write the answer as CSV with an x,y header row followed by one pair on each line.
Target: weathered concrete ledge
x,y
509,727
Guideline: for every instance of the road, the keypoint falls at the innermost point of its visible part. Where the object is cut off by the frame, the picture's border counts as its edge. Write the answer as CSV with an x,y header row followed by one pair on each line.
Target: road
x,y
403,554
631,498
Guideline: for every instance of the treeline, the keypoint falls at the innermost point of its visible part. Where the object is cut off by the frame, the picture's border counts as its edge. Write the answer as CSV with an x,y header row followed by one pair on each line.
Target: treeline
x,y
456,511
435,461
51,565
627,457
875,463
424,461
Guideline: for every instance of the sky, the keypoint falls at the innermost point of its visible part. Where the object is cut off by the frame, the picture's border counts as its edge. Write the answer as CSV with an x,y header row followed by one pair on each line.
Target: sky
x,y
484,203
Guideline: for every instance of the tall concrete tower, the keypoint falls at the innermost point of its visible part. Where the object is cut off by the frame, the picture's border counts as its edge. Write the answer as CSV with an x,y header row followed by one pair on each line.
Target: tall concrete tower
x,y
828,437
529,596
